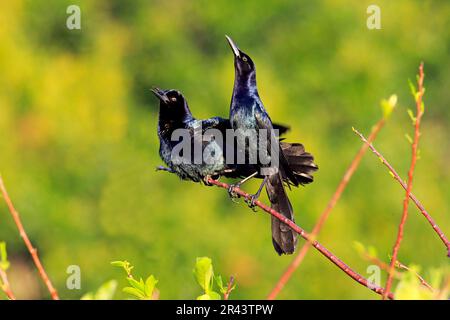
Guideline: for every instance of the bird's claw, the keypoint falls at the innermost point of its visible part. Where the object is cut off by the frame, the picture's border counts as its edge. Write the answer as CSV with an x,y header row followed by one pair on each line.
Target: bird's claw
x,y
233,195
206,180
251,202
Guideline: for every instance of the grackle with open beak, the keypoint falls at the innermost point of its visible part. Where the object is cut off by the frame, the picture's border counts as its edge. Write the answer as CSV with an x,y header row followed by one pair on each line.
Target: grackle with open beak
x,y
247,112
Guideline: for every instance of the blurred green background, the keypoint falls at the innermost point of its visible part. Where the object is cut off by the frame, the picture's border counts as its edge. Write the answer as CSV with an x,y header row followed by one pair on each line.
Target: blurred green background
x,y
78,143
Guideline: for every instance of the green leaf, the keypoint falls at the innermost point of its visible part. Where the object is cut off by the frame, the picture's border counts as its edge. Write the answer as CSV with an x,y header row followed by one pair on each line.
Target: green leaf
x,y
204,297
123,264
118,263
88,296
412,116
408,137
139,285
412,87
372,251
4,263
203,272
387,106
106,290
135,292
219,283
214,295
359,247
150,284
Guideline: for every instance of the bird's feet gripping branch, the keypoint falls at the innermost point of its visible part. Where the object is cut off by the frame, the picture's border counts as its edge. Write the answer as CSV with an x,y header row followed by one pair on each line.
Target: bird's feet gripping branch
x,y
254,197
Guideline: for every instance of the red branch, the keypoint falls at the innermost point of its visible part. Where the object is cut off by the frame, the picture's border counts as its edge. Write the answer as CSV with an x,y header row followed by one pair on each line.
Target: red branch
x,y
339,263
4,285
27,241
411,195
419,111
325,214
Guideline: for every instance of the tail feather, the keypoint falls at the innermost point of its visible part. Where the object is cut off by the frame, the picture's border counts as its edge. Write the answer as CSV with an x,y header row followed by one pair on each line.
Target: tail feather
x,y
284,239
300,161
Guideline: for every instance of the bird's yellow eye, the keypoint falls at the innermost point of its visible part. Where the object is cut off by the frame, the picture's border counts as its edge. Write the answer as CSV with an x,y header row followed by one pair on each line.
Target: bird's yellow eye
x,y
173,99
244,59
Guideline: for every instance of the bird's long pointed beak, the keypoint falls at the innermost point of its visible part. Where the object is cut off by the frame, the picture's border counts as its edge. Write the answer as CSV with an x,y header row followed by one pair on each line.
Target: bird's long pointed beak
x,y
160,94
233,46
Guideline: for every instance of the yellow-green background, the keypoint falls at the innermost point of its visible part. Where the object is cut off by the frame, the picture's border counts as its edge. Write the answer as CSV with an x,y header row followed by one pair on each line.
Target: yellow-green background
x,y
78,143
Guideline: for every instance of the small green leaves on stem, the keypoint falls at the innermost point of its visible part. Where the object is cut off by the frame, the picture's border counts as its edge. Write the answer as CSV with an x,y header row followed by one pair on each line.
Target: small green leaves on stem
x,y
363,251
142,290
125,265
204,274
146,290
412,117
225,289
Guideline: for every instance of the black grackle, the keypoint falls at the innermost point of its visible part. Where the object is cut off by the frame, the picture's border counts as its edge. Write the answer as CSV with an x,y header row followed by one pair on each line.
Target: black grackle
x,y
247,112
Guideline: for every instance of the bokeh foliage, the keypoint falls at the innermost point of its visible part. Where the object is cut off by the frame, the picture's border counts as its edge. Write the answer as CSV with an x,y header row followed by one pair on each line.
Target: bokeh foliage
x,y
78,141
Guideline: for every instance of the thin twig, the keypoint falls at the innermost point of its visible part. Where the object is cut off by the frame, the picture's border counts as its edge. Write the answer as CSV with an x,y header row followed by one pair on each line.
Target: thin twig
x,y
412,197
31,249
226,295
4,285
400,265
384,266
339,263
325,214
416,201
419,113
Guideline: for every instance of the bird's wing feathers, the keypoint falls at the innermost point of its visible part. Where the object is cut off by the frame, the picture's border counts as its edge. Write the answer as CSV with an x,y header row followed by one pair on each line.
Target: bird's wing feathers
x,y
264,122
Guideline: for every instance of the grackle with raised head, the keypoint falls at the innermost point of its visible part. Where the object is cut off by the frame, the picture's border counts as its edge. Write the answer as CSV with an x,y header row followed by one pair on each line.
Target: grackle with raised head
x,y
247,112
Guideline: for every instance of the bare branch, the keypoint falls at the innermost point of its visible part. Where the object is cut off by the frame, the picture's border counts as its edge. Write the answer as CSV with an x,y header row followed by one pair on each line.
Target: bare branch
x,y
419,114
325,214
400,265
31,249
339,263
416,201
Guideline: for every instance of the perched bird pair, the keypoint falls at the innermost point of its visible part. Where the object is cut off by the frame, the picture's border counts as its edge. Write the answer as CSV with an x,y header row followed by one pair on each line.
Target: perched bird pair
x,y
293,166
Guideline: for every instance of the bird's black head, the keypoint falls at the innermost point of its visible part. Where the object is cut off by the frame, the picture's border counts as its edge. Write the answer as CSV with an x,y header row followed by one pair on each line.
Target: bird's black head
x,y
243,64
173,105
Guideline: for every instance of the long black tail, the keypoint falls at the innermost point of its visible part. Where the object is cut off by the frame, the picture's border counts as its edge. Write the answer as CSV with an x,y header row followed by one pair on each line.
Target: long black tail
x,y
283,238
301,163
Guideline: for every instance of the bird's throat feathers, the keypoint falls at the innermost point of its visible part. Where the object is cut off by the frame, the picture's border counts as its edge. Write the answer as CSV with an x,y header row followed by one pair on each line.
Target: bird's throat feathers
x,y
245,84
